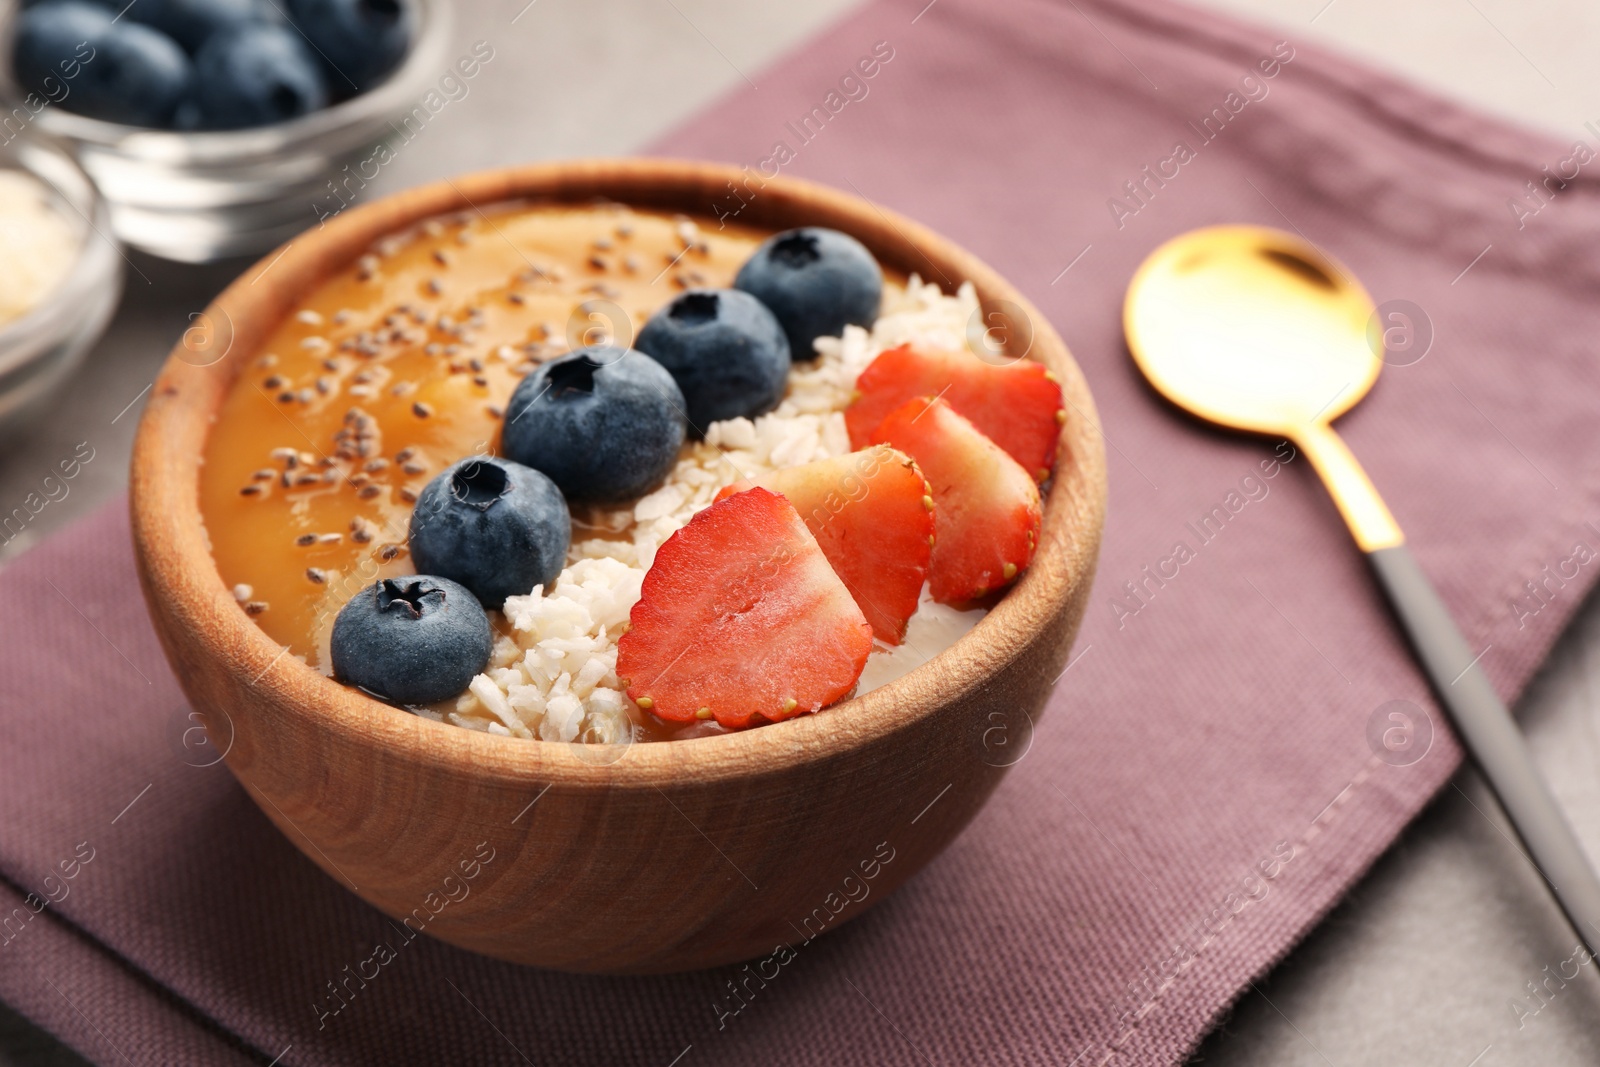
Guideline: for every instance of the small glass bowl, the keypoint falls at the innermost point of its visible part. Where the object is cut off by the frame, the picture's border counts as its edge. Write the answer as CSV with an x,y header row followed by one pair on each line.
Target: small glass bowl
x,y
196,197
39,349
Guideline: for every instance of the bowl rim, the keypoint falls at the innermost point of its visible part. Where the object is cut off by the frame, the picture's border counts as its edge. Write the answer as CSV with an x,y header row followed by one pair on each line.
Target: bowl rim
x,y
184,588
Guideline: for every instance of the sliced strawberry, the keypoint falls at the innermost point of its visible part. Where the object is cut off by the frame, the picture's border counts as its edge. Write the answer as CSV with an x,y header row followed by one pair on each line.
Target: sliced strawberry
x,y
1018,405
872,513
986,508
741,618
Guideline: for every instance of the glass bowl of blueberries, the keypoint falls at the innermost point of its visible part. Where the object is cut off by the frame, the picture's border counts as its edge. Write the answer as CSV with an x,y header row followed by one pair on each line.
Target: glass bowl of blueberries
x,y
218,128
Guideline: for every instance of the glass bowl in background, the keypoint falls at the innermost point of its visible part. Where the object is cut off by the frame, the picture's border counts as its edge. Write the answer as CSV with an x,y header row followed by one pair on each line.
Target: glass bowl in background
x,y
202,196
39,349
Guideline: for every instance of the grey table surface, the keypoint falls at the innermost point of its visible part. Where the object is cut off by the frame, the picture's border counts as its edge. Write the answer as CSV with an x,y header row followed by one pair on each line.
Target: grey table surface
x,y
1429,959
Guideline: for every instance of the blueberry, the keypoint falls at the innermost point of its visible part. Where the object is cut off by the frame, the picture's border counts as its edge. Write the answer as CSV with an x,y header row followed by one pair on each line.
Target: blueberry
x,y
497,527
816,282
411,640
256,75
359,41
116,71
191,22
51,37
725,350
604,423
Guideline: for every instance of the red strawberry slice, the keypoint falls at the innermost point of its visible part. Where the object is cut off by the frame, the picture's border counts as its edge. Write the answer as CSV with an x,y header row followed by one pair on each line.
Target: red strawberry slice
x,y
986,508
872,513
741,618
1018,405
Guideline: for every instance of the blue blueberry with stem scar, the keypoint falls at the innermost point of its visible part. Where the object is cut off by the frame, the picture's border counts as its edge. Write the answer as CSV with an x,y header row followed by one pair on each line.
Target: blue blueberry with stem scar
x,y
494,526
605,423
725,350
254,76
816,281
411,640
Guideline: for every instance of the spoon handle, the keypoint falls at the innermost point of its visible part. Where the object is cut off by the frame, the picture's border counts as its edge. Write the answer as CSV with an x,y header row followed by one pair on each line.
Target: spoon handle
x,y
1492,737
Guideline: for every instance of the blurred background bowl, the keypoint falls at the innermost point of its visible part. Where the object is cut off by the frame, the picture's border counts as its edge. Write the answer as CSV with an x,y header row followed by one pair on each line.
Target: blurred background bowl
x,y
40,348
201,196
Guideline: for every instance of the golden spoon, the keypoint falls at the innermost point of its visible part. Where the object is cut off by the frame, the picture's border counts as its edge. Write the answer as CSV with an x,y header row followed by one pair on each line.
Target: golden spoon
x,y
1255,329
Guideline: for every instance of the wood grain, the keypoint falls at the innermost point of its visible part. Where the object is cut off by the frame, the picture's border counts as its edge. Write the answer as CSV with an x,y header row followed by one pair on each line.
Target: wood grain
x,y
654,857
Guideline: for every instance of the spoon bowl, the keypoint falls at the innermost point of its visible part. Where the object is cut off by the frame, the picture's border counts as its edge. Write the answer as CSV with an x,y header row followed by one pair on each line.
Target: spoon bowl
x,y
1251,328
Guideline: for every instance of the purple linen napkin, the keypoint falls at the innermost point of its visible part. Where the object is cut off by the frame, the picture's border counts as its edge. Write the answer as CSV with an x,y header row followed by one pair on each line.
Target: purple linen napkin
x,y
1212,774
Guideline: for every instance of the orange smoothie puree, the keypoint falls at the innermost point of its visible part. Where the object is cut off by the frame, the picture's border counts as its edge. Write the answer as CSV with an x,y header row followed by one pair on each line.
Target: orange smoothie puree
x,y
403,363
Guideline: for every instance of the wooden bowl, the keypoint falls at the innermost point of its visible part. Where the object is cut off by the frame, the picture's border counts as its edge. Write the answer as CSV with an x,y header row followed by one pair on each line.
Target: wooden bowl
x,y
638,859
